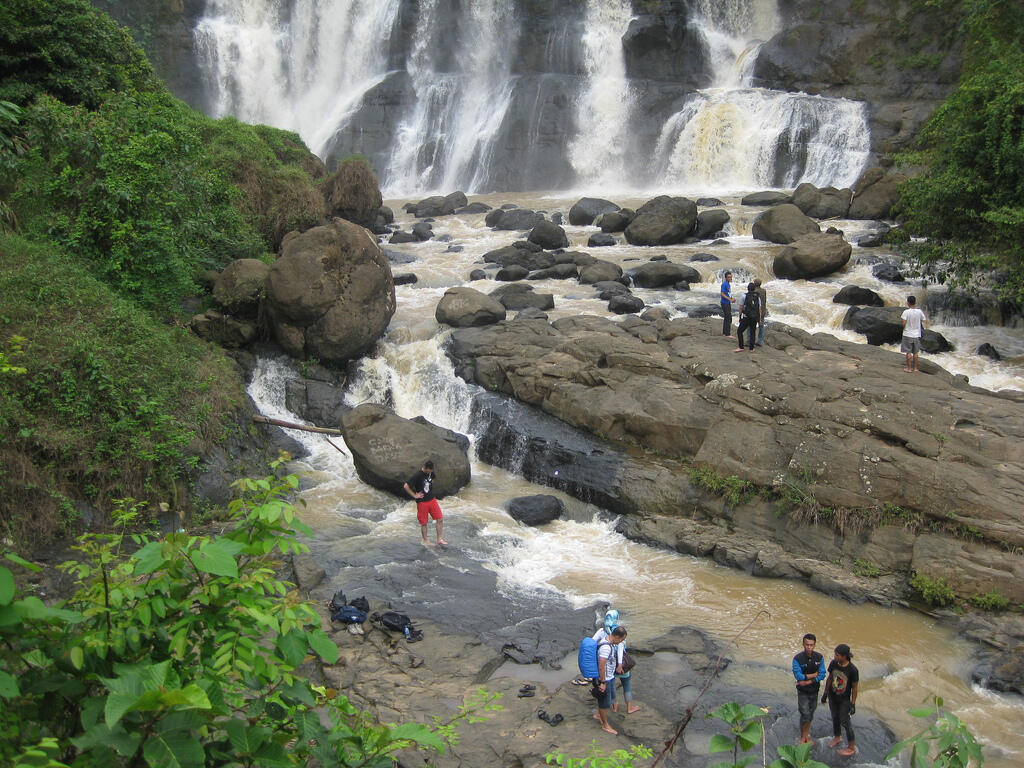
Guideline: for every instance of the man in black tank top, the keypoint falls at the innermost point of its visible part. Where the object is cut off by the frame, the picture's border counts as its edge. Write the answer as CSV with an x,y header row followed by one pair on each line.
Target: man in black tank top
x,y
809,671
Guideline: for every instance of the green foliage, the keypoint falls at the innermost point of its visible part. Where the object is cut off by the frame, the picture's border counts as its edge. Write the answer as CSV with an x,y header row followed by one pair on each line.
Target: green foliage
x,y
68,49
734,490
745,732
866,569
969,199
934,591
13,351
991,601
796,757
596,757
112,403
944,743
185,653
129,189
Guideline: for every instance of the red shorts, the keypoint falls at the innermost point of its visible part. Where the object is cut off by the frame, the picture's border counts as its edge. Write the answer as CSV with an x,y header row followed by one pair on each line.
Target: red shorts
x,y
424,508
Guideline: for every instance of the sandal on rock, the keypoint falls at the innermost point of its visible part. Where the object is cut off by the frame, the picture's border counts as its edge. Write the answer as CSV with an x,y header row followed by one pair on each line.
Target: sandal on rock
x,y
525,694
555,719
528,687
581,681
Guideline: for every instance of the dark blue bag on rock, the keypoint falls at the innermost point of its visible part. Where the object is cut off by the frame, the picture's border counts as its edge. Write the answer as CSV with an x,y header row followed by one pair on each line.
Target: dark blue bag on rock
x,y
349,614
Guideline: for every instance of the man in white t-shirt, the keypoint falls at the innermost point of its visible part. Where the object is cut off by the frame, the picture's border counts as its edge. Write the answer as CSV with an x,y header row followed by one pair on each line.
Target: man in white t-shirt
x,y
913,324
607,662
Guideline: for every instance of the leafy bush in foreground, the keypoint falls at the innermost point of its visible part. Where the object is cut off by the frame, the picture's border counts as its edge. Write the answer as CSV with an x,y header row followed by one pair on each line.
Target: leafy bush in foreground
x,y
184,654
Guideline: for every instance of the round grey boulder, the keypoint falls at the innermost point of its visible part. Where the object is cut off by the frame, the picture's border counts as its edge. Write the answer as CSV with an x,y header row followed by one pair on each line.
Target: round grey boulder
x,y
239,287
857,296
814,255
709,223
464,307
387,450
548,236
659,274
625,304
823,203
662,221
535,510
783,224
600,270
600,239
587,209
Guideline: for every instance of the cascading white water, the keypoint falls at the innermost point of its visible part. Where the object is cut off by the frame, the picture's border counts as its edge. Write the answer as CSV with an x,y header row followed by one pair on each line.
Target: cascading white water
x,y
447,141
302,65
604,108
732,136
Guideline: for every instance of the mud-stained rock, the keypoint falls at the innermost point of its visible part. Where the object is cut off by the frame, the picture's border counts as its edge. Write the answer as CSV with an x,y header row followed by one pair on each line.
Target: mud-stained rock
x,y
813,255
387,450
783,224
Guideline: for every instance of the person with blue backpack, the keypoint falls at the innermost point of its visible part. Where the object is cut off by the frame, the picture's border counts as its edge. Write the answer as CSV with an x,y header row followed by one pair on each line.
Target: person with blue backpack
x,y
607,662
611,621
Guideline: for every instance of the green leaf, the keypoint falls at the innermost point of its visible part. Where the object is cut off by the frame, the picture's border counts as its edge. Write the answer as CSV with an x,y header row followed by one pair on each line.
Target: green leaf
x,y
8,686
149,558
420,734
6,586
244,738
77,657
720,743
922,712
273,754
215,557
325,648
177,749
293,647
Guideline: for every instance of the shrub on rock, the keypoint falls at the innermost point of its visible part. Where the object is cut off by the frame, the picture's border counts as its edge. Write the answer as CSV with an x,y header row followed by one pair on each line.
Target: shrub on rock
x,y
352,192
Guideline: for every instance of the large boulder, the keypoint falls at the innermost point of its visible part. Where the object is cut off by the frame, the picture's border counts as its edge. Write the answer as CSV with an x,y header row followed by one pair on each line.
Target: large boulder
x,y
514,219
814,255
824,203
239,287
229,332
883,325
520,296
857,296
764,199
662,221
875,193
330,294
783,224
464,307
710,223
439,205
549,236
659,274
616,221
598,271
387,450
587,209
536,510
352,193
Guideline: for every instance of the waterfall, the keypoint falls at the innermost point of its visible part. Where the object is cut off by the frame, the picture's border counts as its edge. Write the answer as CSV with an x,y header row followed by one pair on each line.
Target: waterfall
x,y
301,65
604,108
732,136
448,140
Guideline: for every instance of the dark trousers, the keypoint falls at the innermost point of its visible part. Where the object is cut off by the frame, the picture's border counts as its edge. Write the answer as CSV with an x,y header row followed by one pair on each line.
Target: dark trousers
x,y
748,325
727,318
840,708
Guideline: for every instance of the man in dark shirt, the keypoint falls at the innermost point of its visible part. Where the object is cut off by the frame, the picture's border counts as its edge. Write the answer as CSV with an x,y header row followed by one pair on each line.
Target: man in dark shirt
x,y
841,694
809,671
421,488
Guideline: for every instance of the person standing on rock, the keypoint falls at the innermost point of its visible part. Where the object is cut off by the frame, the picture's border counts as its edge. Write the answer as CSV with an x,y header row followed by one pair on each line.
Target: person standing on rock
x,y
761,292
750,316
607,663
421,488
913,320
611,621
841,695
809,671
725,292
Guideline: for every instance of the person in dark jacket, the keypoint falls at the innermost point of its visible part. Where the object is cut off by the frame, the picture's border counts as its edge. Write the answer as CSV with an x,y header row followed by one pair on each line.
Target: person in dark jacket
x,y
841,694
750,316
809,671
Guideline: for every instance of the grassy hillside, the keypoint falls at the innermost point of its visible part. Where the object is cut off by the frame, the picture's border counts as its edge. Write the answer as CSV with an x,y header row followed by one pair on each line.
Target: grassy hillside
x,y
115,199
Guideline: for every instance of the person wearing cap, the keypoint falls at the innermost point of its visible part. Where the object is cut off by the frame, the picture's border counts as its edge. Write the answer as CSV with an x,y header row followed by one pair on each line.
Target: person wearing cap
x,y
841,695
611,621
809,671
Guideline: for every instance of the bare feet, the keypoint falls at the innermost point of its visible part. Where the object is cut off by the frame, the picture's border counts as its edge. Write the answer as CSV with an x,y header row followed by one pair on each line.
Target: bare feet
x,y
835,742
847,752
442,542
739,349
615,708
908,370
609,729
598,718
427,543
631,709
806,740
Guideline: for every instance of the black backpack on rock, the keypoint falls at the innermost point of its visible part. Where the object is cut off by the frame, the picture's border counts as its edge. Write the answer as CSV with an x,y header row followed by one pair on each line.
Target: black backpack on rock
x,y
397,622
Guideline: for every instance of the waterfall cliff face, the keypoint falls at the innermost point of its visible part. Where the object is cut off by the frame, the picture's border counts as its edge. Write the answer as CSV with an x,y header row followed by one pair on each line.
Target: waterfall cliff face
x,y
493,95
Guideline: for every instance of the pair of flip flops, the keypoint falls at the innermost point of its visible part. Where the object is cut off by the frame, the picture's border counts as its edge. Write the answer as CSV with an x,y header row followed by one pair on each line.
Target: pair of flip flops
x,y
526,691
581,681
551,720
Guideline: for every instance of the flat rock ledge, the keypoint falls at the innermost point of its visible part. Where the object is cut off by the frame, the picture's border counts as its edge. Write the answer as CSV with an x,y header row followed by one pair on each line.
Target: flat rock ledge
x,y
916,472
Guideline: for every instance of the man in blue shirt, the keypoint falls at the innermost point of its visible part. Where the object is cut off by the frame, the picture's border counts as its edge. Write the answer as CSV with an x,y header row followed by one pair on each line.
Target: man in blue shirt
x,y
725,292
809,671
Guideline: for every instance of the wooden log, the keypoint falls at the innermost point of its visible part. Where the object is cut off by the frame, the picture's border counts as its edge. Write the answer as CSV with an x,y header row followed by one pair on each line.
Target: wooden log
x,y
292,425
